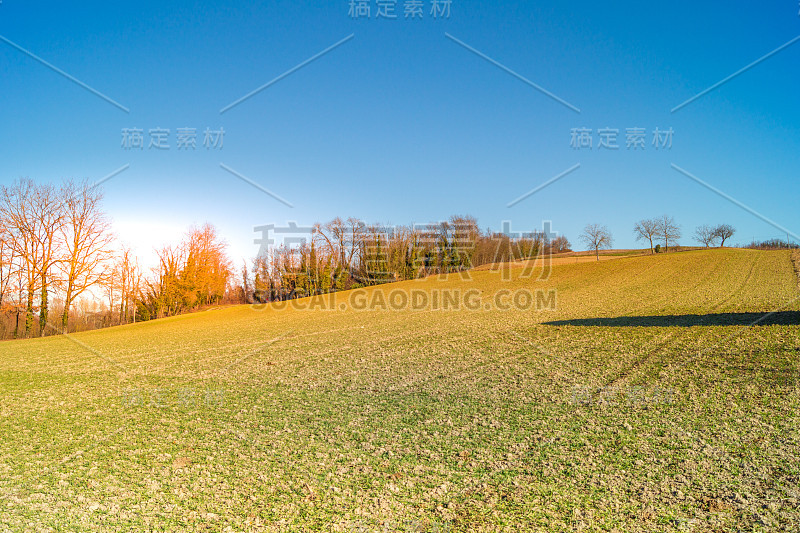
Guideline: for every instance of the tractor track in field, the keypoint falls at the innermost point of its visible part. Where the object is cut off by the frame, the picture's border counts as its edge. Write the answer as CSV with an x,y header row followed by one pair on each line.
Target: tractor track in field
x,y
627,373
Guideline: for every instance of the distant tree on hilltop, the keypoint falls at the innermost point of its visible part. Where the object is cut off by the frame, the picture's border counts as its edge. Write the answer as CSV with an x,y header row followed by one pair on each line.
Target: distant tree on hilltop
x,y
724,232
646,230
596,237
706,235
668,230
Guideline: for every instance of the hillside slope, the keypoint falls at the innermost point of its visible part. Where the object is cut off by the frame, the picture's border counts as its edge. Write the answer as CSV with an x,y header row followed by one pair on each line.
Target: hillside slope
x,y
643,401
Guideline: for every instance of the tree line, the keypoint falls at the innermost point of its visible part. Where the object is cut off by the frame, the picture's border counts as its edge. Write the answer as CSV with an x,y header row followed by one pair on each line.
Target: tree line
x,y
52,240
194,273
345,254
773,244
656,231
57,253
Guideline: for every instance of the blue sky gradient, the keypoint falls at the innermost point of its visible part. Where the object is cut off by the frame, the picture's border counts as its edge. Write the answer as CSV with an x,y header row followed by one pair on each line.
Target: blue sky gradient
x,y
402,124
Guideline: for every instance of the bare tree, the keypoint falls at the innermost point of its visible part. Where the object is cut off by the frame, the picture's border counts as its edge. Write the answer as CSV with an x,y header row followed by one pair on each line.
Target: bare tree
x,y
246,281
596,237
560,244
48,213
8,264
339,243
128,275
705,234
724,232
646,230
338,232
356,234
21,231
111,286
87,239
333,240
668,230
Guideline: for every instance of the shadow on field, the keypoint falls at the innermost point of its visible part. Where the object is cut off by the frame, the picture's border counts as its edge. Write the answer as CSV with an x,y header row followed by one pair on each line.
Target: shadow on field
x,y
783,318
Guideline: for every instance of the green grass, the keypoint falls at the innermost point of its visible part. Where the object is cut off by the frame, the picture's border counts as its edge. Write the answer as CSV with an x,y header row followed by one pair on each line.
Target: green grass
x,y
594,416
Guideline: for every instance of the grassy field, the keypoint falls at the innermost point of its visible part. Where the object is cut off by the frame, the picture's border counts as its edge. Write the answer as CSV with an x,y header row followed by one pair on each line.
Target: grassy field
x,y
645,401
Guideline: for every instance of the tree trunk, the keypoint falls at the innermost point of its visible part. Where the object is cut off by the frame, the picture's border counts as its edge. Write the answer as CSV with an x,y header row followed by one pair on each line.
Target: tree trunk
x,y
43,309
29,313
65,314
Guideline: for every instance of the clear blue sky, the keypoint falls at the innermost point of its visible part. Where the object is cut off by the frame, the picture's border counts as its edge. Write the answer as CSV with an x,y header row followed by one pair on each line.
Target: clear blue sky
x,y
402,124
